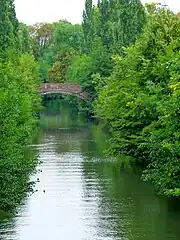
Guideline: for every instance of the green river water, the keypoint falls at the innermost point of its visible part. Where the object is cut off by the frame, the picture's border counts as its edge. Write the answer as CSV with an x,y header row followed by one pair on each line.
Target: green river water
x,y
82,195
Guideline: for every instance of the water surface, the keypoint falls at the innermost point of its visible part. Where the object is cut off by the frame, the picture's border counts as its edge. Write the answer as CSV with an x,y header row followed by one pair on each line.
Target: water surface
x,y
82,195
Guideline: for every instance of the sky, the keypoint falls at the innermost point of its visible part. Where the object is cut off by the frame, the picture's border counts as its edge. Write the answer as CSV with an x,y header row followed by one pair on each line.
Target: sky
x,y
32,11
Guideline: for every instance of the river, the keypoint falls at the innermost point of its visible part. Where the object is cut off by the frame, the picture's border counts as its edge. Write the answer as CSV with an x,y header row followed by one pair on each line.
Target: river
x,y
82,195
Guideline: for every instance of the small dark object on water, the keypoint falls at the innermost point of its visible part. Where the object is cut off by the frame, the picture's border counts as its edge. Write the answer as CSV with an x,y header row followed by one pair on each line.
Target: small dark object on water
x,y
44,191
38,179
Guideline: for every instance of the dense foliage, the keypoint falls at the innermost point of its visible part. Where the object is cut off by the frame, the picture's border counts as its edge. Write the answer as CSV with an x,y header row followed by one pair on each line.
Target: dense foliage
x,y
49,41
58,72
19,104
108,28
140,102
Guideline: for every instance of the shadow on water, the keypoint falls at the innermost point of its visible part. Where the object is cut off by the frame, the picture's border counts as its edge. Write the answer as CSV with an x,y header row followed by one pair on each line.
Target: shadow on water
x,y
86,195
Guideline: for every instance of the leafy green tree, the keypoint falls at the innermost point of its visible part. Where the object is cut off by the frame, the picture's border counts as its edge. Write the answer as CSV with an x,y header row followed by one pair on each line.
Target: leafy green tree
x,y
8,27
82,68
162,138
117,23
59,69
126,21
63,37
14,21
24,39
108,28
139,105
41,34
79,69
20,102
40,39
87,23
67,36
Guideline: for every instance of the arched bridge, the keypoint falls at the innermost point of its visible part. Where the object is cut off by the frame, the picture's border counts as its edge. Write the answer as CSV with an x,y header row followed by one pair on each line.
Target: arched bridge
x,y
64,88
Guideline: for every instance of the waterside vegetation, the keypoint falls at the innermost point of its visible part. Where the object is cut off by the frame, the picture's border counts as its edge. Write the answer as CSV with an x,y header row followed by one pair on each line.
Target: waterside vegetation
x,y
19,104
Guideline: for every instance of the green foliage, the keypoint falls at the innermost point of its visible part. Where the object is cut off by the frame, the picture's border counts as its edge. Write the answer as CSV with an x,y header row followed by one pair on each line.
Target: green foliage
x,y
140,102
116,23
41,34
24,39
88,24
19,104
46,61
59,69
79,69
127,19
101,35
48,40
164,134
8,27
67,37
105,35
83,67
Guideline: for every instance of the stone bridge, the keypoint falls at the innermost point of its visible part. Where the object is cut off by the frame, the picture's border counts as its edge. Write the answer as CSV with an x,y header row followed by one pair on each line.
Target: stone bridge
x,y
64,88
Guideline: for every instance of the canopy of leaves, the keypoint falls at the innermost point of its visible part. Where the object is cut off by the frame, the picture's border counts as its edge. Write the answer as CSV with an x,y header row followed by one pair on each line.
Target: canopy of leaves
x,y
8,27
50,39
24,39
59,69
141,100
19,104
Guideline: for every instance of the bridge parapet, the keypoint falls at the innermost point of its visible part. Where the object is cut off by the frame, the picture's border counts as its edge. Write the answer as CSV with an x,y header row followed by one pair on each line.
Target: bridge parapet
x,y
64,88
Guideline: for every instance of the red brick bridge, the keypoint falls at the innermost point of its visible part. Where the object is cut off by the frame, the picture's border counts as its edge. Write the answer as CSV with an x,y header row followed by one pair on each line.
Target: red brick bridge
x,y
64,88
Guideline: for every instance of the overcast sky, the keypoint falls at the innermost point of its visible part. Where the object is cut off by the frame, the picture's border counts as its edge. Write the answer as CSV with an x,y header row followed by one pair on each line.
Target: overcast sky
x,y
32,11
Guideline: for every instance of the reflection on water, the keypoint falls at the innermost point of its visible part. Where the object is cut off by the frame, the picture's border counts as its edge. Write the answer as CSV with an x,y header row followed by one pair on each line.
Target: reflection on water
x,y
81,195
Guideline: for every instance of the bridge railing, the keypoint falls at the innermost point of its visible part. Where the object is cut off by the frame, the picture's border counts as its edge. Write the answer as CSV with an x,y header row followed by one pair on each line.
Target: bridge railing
x,y
64,88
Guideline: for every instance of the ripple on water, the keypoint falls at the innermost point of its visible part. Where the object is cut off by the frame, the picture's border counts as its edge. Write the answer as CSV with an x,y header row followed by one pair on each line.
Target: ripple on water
x,y
81,196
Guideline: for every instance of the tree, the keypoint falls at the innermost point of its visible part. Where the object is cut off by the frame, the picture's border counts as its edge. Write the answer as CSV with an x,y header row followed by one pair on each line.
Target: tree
x,y
59,69
87,23
41,35
67,36
109,28
118,23
24,39
14,21
140,102
8,27
19,104
127,19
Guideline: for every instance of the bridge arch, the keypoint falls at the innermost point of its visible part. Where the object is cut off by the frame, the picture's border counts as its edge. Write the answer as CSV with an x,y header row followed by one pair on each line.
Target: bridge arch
x,y
65,89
